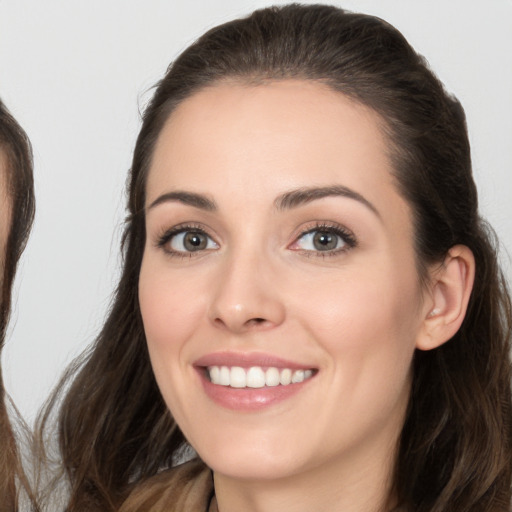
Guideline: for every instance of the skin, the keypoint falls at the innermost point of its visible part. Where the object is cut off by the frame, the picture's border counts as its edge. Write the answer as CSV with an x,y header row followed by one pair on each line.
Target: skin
x,y
5,210
355,314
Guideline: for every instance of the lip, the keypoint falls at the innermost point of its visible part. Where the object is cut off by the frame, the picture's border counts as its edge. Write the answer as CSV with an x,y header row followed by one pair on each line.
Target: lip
x,y
248,399
248,359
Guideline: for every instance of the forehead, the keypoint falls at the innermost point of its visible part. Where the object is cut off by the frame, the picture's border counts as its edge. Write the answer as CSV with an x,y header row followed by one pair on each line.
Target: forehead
x,y
245,146
277,126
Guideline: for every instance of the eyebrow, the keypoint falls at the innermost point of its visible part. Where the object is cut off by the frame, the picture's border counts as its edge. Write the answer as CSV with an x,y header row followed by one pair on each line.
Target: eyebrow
x,y
301,196
189,198
286,201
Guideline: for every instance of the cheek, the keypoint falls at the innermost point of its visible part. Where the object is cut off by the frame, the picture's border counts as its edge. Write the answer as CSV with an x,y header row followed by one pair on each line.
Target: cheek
x,y
171,308
369,318
171,313
5,222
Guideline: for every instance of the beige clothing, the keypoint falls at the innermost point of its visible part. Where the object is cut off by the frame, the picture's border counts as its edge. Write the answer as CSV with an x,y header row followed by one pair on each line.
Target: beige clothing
x,y
185,488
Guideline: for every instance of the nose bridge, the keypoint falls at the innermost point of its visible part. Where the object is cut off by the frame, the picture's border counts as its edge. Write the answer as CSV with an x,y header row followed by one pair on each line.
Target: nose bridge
x,y
246,295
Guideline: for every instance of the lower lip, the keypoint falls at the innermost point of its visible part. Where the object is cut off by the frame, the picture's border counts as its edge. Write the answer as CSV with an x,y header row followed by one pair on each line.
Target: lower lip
x,y
249,399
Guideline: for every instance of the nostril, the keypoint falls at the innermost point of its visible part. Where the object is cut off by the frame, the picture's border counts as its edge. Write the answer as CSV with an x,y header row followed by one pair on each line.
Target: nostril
x,y
219,322
255,321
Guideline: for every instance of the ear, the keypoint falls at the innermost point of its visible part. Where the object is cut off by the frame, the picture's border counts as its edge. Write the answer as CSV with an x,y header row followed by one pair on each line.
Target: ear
x,y
447,298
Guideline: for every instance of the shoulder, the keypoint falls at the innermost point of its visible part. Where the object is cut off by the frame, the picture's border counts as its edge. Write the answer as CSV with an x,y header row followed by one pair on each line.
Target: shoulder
x,y
184,488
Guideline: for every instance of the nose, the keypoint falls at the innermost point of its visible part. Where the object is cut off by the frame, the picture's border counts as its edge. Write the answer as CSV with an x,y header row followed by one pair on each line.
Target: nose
x,y
246,297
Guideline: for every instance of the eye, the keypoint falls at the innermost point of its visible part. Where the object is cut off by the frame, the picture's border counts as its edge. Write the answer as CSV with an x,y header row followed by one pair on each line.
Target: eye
x,y
326,239
186,240
320,241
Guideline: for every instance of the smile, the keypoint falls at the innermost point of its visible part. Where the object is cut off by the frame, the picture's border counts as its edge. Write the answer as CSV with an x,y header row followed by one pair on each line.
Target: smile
x,y
256,376
252,381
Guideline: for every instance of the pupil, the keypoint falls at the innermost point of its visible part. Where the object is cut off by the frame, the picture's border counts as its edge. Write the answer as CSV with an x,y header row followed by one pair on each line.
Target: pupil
x,y
324,241
194,241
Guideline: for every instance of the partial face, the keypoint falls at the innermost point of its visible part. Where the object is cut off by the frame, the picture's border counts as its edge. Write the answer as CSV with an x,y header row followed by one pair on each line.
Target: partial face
x,y
5,211
278,288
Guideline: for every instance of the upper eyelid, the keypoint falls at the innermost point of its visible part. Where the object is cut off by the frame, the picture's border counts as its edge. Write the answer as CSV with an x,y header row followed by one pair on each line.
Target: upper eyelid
x,y
165,235
326,226
340,230
188,226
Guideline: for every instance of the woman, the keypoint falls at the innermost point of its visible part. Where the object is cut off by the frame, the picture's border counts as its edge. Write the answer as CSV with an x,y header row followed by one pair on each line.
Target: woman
x,y
309,296
16,215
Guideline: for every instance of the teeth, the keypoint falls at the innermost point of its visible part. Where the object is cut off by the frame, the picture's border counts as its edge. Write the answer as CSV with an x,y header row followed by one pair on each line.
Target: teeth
x,y
256,376
297,376
272,377
238,377
215,374
286,377
224,376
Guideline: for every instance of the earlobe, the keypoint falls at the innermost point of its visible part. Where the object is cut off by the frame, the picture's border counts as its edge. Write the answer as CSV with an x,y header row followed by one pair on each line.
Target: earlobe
x,y
450,289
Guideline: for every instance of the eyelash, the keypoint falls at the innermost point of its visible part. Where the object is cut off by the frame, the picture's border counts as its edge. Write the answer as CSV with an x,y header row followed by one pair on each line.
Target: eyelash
x,y
168,235
344,234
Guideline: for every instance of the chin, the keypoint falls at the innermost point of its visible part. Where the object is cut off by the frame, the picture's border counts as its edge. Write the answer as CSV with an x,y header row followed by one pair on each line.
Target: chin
x,y
251,461
265,468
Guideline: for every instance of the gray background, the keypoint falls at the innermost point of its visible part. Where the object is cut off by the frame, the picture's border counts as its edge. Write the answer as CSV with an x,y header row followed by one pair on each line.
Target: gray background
x,y
75,74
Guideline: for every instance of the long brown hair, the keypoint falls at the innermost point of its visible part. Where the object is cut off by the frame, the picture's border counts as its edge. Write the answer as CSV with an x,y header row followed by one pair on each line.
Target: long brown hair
x,y
16,150
455,449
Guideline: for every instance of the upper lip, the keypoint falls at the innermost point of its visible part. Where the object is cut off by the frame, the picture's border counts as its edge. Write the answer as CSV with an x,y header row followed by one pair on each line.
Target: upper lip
x,y
248,359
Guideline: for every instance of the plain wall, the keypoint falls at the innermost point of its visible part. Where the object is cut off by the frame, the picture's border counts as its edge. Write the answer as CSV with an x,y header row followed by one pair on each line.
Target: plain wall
x,y
76,74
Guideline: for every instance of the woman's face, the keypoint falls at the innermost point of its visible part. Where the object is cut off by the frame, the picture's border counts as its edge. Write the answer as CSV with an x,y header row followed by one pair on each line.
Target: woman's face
x,y
278,248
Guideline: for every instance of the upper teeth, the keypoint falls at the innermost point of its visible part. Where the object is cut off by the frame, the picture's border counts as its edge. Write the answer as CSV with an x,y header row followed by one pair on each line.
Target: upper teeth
x,y
256,376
